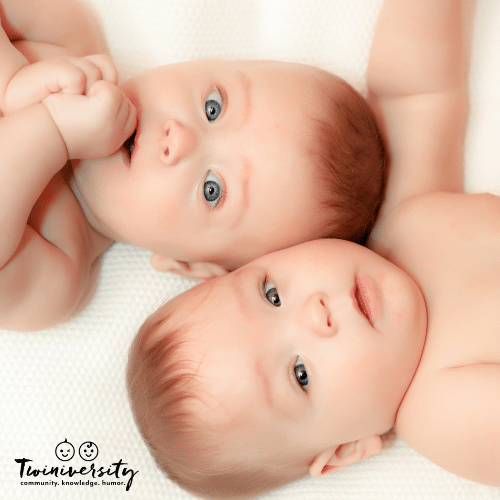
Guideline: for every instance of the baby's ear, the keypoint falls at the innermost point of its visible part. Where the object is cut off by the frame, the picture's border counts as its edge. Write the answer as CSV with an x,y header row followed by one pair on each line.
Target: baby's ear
x,y
199,271
335,458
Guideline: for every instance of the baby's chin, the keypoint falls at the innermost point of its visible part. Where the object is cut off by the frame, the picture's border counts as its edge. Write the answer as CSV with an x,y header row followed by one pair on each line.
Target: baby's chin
x,y
420,309
76,166
81,186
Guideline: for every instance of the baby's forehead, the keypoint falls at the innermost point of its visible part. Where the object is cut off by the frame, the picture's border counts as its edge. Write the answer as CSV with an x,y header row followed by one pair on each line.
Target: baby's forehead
x,y
278,66
197,296
193,309
209,313
312,83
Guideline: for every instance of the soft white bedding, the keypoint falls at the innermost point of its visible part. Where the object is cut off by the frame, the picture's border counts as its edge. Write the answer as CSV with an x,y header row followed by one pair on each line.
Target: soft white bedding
x,y
68,382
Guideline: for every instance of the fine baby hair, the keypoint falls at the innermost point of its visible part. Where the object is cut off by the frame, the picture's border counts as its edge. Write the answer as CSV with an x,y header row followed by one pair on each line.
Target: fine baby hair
x,y
352,161
214,374
171,406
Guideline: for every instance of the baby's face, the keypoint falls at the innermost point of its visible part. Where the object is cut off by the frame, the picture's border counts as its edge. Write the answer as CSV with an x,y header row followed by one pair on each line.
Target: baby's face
x,y
309,347
221,169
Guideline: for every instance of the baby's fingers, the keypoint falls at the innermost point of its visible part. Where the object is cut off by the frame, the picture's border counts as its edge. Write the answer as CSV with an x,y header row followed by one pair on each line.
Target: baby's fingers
x,y
77,78
90,70
127,118
118,114
105,65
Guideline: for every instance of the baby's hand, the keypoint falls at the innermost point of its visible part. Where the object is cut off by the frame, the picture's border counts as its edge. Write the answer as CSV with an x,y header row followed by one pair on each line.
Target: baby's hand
x,y
68,75
93,125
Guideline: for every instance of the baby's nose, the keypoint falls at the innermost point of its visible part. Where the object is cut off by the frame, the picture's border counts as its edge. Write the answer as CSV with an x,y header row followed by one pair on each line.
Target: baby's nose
x,y
318,316
178,141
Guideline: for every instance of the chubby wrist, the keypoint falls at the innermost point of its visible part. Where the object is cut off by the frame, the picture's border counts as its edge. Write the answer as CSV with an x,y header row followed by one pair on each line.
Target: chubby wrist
x,y
64,116
55,143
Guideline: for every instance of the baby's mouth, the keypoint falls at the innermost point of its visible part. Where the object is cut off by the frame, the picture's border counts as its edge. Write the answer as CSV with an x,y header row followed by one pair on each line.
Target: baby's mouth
x,y
129,144
361,302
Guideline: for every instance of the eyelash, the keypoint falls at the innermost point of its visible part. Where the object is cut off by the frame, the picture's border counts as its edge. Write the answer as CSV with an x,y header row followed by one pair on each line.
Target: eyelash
x,y
298,361
264,283
223,103
222,196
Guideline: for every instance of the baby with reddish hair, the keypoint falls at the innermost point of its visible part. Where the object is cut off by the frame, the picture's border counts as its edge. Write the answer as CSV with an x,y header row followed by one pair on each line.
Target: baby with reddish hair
x,y
207,164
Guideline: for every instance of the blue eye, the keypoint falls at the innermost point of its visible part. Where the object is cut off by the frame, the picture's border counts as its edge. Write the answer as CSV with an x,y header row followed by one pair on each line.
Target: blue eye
x,y
301,374
213,106
212,189
272,294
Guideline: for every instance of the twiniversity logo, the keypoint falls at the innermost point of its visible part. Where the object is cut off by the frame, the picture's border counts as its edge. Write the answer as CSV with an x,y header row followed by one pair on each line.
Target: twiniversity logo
x,y
115,474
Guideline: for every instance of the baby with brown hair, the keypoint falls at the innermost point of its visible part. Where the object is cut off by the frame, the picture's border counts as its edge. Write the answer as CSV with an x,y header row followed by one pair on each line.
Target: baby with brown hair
x,y
207,164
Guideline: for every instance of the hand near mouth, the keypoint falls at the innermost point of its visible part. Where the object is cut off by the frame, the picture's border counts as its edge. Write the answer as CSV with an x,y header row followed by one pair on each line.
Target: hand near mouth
x,y
93,125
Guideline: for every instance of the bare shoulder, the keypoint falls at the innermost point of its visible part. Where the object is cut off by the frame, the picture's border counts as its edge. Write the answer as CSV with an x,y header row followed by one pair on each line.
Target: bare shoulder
x,y
70,24
51,274
452,220
479,208
452,418
451,206
439,217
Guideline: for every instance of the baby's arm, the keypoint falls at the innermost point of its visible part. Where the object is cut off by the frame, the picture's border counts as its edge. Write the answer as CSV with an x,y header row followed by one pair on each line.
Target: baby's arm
x,y
66,74
35,143
43,29
30,158
12,62
22,84
417,85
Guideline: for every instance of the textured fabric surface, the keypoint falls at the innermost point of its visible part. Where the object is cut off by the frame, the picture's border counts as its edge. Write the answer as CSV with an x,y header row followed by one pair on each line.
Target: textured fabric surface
x,y
67,383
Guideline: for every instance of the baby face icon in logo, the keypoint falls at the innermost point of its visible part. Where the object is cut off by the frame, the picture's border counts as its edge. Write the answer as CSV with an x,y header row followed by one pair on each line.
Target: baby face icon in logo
x,y
65,451
88,451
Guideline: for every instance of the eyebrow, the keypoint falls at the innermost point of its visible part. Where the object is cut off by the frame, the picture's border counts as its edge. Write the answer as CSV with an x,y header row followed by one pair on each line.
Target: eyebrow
x,y
261,375
246,168
245,173
247,97
237,291
264,382
273,404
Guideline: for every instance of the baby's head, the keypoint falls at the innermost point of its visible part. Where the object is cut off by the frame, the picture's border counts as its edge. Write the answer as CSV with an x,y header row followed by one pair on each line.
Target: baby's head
x,y
294,364
234,159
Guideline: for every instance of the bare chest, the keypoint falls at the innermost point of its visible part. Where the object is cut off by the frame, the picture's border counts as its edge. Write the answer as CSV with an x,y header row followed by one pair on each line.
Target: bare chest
x,y
59,218
464,323
455,258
